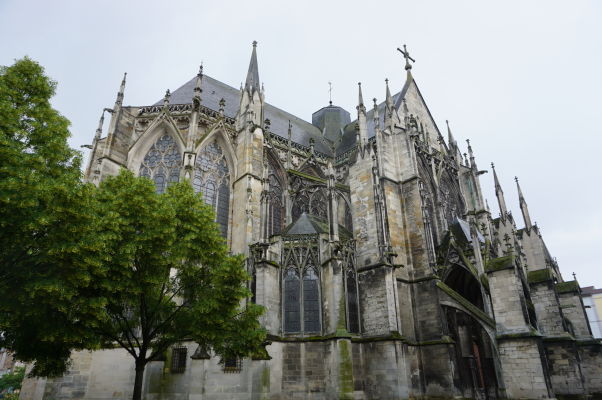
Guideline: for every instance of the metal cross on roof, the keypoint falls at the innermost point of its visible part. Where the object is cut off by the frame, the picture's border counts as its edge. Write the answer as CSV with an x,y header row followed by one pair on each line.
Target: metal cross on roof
x,y
406,55
330,92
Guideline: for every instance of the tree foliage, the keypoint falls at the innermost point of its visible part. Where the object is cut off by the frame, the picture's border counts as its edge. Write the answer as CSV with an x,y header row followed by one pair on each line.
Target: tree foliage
x,y
83,267
169,275
12,380
41,199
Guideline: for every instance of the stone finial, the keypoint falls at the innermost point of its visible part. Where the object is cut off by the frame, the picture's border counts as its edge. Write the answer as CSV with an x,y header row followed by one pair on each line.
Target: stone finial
x,y
166,98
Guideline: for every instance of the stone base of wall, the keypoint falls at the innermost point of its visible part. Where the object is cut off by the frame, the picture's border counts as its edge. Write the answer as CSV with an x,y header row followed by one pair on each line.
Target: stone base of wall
x,y
522,368
563,365
591,367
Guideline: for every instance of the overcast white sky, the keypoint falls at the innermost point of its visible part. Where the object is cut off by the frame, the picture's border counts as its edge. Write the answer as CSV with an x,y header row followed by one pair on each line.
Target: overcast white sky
x,y
521,79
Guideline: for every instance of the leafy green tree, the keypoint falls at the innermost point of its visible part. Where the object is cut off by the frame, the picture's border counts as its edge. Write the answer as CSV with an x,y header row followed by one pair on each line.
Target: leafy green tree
x,y
12,380
84,267
44,230
169,276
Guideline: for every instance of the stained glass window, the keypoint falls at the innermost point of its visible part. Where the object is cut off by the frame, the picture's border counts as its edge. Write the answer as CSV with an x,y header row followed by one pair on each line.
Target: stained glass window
x,y
212,179
301,289
292,309
311,301
162,163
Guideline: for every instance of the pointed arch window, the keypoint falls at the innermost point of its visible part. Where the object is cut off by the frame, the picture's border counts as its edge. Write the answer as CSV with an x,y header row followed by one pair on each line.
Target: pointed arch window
x,y
292,305
301,292
351,288
162,163
275,205
212,179
311,301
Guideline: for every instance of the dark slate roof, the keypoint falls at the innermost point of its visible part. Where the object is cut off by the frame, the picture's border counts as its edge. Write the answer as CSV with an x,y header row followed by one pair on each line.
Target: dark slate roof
x,y
311,225
214,91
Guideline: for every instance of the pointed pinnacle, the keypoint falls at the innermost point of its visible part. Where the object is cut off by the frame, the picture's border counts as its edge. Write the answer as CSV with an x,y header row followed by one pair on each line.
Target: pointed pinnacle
x,y
450,136
252,82
122,88
389,99
361,97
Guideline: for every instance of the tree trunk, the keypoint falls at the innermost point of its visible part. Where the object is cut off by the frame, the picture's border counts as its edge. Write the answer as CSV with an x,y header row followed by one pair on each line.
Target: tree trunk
x,y
140,365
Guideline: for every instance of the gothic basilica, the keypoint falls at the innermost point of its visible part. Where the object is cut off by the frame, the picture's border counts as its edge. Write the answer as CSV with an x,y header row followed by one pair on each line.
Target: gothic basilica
x,y
383,272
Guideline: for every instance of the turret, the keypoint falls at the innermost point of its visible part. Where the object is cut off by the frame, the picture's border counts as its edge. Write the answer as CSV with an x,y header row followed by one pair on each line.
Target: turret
x,y
499,193
523,207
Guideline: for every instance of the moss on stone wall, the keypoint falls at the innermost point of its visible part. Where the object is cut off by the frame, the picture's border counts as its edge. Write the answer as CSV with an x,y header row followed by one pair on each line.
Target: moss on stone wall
x,y
265,382
567,287
500,263
542,275
345,371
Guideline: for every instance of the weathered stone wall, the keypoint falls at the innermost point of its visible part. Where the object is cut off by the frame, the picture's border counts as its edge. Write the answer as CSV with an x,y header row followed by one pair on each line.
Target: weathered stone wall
x,y
547,309
268,295
362,209
591,367
523,373
563,365
507,301
385,370
572,308
374,301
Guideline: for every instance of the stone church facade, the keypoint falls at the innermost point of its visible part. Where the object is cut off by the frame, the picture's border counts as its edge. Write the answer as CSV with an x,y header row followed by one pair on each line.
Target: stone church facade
x,y
382,270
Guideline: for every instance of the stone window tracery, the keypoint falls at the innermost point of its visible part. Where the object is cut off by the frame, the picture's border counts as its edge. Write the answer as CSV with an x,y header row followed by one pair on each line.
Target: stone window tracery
x,y
351,288
427,217
301,291
162,163
275,205
212,179
309,198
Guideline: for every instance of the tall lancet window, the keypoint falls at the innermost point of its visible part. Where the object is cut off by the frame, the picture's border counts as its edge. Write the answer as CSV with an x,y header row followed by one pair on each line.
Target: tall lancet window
x,y
311,301
292,297
162,163
275,207
212,179
301,290
351,287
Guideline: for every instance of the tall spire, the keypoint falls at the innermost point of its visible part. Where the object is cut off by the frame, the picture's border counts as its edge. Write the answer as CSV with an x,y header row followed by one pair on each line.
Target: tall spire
x,y
252,82
523,206
119,100
499,194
